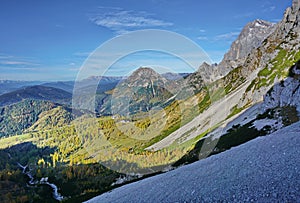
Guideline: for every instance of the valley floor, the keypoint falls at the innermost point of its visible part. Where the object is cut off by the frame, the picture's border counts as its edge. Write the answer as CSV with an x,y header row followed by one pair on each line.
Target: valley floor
x,y
266,169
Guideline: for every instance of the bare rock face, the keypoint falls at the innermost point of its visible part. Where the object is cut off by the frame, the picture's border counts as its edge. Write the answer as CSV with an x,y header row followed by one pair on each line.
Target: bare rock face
x,y
289,26
285,93
251,37
278,52
209,73
260,58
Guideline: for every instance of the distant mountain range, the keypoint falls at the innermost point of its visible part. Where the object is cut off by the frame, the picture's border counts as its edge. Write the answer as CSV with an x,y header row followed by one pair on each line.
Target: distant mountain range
x,y
11,85
37,92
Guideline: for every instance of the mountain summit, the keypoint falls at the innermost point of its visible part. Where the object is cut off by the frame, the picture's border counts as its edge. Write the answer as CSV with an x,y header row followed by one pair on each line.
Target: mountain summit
x,y
141,91
251,37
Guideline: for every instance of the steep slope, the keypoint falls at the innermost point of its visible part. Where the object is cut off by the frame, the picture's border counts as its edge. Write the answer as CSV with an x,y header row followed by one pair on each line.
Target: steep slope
x,y
273,59
174,76
246,84
36,92
278,110
262,170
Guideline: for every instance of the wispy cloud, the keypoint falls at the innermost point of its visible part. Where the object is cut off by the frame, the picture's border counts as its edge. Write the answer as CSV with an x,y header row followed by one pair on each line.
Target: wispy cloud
x,y
8,60
202,38
269,9
121,21
227,36
3,56
17,63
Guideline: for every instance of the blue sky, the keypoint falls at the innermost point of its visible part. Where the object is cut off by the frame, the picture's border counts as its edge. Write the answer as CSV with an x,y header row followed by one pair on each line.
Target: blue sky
x,y
50,40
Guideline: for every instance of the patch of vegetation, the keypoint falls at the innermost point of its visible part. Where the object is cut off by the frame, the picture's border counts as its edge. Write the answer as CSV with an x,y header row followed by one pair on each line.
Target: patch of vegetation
x,y
76,182
17,118
235,110
252,84
278,68
233,80
264,72
13,182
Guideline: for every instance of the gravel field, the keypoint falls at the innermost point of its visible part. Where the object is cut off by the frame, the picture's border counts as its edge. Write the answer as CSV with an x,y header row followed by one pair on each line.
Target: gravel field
x,y
266,169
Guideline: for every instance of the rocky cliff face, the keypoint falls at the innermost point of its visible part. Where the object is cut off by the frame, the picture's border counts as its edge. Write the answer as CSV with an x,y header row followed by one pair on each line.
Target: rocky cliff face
x,y
272,60
251,37
260,58
285,93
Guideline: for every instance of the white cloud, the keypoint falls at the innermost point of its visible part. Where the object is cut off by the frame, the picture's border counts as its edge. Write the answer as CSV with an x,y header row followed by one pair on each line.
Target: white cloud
x,y
7,60
268,6
269,9
122,21
10,61
16,68
16,63
202,38
227,36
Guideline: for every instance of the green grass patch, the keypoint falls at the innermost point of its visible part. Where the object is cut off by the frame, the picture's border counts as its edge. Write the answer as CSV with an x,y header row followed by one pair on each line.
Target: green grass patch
x,y
264,72
235,110
14,140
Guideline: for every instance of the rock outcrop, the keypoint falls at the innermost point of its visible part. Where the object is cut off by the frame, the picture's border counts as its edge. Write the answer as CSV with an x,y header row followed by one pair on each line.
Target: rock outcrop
x,y
251,37
285,93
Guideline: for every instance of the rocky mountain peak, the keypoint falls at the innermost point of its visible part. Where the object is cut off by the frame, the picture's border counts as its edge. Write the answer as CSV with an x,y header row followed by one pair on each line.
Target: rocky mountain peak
x,y
145,71
288,29
296,6
251,37
141,91
204,65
